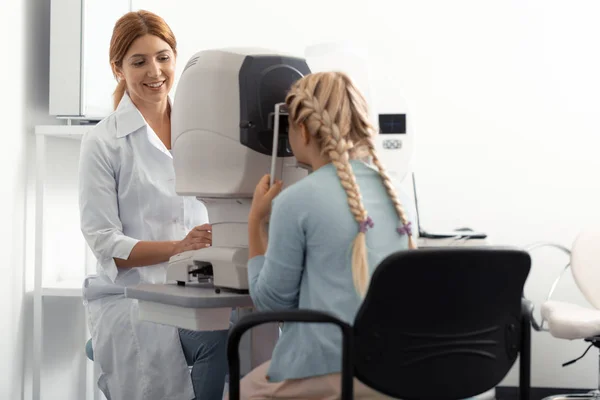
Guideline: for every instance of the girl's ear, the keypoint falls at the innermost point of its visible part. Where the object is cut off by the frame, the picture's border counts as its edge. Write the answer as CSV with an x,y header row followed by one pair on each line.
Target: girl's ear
x,y
305,135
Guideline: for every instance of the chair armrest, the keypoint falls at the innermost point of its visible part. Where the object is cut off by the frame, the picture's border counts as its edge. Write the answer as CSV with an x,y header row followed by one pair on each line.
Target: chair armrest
x,y
307,316
540,327
527,310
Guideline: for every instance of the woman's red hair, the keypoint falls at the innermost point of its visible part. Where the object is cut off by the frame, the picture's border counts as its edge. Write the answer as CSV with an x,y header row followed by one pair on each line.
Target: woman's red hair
x,y
127,29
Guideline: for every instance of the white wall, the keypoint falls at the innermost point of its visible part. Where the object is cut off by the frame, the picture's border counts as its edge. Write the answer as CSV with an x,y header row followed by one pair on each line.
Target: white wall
x,y
505,100
63,363
503,95
25,104
12,211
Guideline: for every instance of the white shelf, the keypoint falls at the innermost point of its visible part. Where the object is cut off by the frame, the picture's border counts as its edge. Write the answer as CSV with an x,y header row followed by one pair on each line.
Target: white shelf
x,y
71,289
63,289
74,132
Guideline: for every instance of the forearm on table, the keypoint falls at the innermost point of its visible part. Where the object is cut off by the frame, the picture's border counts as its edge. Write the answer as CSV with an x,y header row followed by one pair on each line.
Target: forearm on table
x,y
147,253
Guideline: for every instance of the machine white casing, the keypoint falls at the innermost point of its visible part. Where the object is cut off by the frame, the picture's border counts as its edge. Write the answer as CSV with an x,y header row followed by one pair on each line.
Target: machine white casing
x,y
212,164
395,149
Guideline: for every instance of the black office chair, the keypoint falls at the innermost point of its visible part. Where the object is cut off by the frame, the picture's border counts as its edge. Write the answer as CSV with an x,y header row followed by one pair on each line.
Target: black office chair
x,y
444,323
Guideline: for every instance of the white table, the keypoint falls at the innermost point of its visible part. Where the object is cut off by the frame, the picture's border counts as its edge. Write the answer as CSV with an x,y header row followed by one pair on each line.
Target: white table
x,y
198,307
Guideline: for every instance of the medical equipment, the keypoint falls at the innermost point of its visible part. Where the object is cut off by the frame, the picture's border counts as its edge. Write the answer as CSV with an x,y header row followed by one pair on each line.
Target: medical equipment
x,y
458,237
229,128
223,131
395,142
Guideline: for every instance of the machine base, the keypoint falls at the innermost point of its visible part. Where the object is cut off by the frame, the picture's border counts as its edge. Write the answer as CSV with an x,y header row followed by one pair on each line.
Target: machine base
x,y
223,266
219,289
195,319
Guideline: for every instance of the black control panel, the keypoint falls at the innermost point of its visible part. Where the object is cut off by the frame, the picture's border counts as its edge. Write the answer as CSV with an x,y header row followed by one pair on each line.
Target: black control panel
x,y
265,81
392,124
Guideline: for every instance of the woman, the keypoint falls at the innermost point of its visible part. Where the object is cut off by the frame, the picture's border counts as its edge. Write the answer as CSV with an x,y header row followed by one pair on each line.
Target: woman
x,y
134,222
326,234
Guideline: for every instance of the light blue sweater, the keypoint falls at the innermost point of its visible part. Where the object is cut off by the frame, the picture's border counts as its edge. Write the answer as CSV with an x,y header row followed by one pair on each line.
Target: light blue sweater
x,y
308,264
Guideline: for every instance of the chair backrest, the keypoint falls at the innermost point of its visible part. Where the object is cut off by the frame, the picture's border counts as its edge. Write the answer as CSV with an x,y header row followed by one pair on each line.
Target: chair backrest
x,y
585,265
441,323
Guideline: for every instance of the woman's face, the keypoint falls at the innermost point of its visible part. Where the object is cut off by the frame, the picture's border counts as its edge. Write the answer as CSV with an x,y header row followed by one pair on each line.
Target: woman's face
x,y
148,69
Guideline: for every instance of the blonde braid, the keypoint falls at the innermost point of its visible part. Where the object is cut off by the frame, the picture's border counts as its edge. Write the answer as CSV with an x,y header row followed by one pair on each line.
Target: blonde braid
x,y
364,132
389,187
320,102
341,160
362,128
337,148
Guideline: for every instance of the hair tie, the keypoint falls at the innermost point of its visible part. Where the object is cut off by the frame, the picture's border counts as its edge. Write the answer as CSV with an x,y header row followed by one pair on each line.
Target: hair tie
x,y
366,224
405,229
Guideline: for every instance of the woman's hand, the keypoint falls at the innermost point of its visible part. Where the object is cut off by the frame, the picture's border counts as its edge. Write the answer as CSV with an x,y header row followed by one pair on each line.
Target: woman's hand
x,y
263,196
198,238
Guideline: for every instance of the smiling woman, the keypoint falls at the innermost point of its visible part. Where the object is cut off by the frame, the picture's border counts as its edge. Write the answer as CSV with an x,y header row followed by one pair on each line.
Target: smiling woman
x,y
142,56
131,49
134,221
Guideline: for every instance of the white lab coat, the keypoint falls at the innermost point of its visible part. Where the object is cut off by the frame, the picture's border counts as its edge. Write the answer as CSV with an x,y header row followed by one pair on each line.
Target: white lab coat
x,y
127,194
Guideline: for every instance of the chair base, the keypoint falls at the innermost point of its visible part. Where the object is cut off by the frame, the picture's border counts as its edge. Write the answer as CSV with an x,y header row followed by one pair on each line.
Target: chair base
x,y
593,395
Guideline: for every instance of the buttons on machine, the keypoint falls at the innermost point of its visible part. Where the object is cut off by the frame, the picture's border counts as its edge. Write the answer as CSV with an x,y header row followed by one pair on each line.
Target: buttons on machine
x,y
390,144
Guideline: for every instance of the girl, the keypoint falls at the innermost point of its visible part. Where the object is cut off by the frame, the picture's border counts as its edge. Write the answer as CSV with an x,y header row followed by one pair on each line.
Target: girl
x,y
326,235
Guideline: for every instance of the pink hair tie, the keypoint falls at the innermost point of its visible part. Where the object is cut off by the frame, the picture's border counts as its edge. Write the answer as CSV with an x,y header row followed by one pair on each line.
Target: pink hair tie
x,y
366,224
404,229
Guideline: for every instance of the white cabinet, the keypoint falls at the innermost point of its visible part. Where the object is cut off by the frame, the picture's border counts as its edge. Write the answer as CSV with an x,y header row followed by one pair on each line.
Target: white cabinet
x,y
81,80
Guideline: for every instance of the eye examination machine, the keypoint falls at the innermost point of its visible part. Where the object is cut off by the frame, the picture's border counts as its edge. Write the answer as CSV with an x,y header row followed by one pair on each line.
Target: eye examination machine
x,y
229,128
